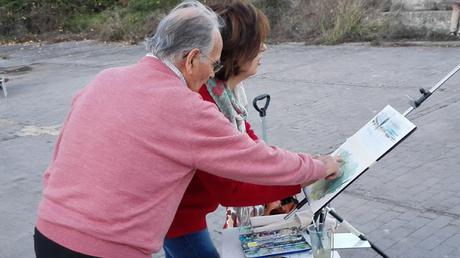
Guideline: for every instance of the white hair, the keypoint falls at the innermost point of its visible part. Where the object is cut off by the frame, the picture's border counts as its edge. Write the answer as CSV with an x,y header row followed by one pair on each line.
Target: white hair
x,y
189,25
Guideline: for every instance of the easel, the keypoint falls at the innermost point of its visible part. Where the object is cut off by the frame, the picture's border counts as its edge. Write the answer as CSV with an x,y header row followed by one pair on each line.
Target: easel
x,y
320,215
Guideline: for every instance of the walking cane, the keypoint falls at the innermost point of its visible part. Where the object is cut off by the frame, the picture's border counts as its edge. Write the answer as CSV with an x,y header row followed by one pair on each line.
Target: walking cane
x,y
244,213
262,112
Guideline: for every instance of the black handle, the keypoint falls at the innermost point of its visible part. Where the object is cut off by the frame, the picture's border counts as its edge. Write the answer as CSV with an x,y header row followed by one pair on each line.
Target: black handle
x,y
262,111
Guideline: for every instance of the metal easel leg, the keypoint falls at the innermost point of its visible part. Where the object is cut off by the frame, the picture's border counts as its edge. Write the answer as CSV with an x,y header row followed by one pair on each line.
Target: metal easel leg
x,y
354,231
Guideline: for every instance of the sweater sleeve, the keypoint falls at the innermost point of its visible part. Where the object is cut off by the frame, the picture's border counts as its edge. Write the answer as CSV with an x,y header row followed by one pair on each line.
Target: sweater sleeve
x,y
234,193
217,147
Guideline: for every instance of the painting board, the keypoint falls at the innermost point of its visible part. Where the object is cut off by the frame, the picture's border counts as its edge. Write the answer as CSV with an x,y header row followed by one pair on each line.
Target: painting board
x,y
376,138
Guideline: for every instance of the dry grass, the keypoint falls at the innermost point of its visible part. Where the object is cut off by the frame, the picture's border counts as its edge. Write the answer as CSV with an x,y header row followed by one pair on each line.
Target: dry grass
x,y
312,21
325,21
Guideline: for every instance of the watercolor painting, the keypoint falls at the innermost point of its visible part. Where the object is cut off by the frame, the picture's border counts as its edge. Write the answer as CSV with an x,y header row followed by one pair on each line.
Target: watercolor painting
x,y
359,152
323,187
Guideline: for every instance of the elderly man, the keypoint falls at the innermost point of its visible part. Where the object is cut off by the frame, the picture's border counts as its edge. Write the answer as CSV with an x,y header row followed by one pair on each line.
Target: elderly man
x,y
133,139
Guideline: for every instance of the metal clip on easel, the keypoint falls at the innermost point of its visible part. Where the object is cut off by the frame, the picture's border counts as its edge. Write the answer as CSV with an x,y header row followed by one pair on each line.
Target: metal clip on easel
x,y
425,94
319,215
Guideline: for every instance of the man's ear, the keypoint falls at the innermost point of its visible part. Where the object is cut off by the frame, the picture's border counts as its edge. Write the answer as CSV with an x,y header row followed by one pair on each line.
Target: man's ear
x,y
191,60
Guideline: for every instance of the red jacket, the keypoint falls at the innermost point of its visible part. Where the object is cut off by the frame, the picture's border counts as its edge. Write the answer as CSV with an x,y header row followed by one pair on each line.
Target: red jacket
x,y
207,191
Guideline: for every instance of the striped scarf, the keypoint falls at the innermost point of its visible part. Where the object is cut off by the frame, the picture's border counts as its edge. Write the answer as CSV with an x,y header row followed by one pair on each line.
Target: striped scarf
x,y
232,105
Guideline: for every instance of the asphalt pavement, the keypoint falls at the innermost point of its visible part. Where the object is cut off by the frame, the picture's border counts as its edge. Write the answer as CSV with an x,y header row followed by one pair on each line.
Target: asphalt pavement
x,y
408,203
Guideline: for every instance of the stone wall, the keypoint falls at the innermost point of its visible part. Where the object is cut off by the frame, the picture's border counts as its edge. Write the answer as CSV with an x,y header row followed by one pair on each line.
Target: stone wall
x,y
431,16
419,5
294,20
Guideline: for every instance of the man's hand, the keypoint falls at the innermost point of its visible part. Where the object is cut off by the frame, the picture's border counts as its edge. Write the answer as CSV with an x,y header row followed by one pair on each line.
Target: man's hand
x,y
332,165
307,183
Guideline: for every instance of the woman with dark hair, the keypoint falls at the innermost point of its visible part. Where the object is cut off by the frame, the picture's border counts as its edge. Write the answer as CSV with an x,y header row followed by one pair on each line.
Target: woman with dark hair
x,y
245,30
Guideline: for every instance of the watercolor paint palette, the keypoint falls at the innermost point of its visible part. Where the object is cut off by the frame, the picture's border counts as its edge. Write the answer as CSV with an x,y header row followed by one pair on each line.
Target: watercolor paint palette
x,y
273,243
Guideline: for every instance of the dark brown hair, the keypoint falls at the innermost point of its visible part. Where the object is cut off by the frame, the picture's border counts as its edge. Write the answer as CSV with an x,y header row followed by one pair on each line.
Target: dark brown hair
x,y
246,28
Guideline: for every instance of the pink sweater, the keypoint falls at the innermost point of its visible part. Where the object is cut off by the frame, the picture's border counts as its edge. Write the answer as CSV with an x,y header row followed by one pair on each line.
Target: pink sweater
x,y
127,151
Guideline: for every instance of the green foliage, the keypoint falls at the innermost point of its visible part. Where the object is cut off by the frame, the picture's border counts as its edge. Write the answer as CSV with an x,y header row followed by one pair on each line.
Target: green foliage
x,y
131,22
318,21
103,19
274,9
84,22
64,6
350,20
149,5
23,19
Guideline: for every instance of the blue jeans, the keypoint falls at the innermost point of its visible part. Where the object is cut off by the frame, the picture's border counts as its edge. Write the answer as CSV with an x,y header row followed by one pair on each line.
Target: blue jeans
x,y
193,245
